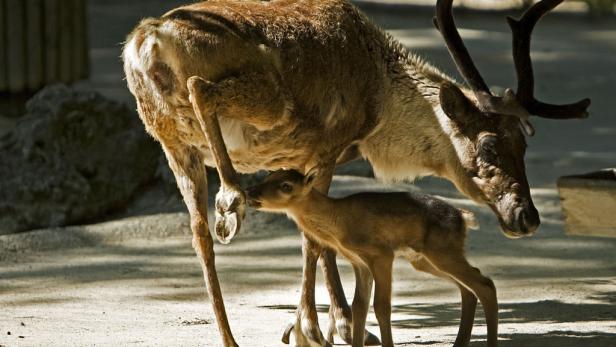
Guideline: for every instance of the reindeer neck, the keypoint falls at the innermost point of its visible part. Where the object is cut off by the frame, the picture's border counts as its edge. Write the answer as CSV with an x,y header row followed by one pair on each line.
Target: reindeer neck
x,y
411,139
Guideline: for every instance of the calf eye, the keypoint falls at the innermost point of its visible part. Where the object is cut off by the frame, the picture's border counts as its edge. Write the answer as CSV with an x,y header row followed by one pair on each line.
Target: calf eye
x,y
286,187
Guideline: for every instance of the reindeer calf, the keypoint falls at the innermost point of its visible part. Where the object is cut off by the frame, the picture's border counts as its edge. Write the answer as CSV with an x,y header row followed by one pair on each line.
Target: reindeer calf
x,y
370,229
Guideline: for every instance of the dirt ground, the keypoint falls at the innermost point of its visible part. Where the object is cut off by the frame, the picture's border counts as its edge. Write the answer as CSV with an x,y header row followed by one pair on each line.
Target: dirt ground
x,y
135,280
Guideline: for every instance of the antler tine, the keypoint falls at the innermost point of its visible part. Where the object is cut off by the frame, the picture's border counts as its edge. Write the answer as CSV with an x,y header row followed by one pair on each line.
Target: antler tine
x,y
522,30
445,24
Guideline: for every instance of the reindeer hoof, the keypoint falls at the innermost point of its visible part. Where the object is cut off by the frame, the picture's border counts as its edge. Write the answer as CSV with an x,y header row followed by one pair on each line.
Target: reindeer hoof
x,y
230,210
227,225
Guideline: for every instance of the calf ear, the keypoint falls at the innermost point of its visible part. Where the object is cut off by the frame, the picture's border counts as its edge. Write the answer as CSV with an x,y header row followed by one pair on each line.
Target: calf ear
x,y
453,102
310,177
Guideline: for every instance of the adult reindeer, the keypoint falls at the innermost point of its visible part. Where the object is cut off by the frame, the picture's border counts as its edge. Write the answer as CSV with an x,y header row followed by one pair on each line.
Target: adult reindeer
x,y
252,85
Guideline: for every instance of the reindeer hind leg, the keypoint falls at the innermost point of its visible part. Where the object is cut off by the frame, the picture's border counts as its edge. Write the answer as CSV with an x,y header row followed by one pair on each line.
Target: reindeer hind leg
x,y
189,170
255,98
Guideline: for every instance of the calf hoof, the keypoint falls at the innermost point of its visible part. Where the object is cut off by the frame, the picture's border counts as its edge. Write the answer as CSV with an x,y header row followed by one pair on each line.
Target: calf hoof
x,y
371,339
230,211
308,335
342,324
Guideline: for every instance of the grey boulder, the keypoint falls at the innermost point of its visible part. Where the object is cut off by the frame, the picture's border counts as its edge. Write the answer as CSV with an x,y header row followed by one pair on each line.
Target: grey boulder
x,y
73,158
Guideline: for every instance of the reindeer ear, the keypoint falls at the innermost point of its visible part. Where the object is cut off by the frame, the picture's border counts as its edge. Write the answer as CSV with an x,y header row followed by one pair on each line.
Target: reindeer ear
x,y
453,102
310,176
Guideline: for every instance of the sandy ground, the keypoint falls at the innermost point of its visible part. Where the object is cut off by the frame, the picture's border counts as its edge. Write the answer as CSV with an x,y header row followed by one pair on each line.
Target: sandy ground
x,y
144,286
135,280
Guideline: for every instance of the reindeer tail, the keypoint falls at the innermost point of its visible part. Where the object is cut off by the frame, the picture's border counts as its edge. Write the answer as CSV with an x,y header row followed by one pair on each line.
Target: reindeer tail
x,y
469,219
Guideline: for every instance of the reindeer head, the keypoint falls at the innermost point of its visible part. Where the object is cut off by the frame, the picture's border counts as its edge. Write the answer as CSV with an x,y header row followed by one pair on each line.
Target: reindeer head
x,y
280,190
487,130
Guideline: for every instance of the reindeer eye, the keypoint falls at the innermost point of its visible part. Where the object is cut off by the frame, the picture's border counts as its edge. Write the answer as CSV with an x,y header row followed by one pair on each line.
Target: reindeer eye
x,y
286,187
487,149
488,145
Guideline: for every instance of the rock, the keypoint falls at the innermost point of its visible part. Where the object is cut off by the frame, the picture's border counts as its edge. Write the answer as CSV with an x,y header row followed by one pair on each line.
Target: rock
x,y
73,158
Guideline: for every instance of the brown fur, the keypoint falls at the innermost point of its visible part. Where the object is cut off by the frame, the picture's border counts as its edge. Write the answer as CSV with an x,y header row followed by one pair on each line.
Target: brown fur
x,y
370,229
250,85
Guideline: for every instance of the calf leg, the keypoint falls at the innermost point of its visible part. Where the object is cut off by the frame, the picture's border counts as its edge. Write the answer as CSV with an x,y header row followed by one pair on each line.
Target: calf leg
x,y
382,272
189,170
361,302
306,328
469,301
458,268
467,317
306,325
340,313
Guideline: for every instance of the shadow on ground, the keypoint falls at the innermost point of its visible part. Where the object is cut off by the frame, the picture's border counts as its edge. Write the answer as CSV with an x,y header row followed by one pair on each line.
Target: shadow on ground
x,y
555,339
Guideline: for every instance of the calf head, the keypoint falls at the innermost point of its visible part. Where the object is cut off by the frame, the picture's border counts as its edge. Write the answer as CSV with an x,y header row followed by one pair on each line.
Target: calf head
x,y
281,190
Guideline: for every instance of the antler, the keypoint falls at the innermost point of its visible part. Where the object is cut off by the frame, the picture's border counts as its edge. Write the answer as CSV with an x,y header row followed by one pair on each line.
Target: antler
x,y
487,102
445,24
524,103
522,30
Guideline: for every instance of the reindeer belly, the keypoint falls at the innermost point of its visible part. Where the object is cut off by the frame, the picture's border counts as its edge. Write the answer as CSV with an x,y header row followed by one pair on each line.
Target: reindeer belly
x,y
251,150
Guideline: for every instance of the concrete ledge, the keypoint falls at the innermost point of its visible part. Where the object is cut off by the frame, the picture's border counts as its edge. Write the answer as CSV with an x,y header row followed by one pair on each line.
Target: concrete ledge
x,y
589,203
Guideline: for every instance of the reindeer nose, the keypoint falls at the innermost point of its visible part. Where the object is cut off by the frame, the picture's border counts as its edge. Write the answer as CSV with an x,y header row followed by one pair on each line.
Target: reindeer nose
x,y
528,220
